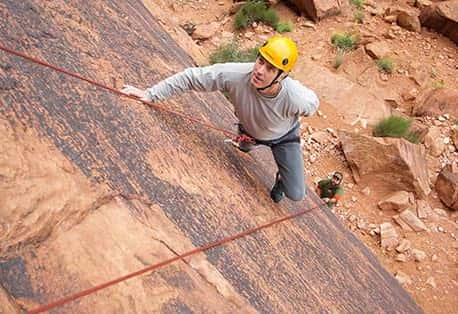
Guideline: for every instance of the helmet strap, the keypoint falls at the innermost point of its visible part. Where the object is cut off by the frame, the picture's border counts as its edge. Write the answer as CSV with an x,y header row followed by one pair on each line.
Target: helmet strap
x,y
273,81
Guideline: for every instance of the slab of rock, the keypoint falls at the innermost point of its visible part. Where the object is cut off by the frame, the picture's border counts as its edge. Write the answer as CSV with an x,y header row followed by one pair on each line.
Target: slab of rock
x,y
402,223
423,209
378,49
389,236
442,17
413,221
437,102
396,201
447,187
318,9
396,161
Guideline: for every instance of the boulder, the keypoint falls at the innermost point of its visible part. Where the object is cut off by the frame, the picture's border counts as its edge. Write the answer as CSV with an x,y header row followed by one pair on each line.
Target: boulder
x,y
434,142
389,160
205,31
442,17
378,49
396,201
447,187
436,103
409,20
318,9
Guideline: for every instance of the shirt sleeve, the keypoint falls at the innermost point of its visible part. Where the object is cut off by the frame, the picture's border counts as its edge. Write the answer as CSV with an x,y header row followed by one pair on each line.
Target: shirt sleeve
x,y
305,100
209,78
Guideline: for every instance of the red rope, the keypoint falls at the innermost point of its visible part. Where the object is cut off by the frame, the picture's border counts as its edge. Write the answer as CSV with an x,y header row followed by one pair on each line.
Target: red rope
x,y
80,77
153,267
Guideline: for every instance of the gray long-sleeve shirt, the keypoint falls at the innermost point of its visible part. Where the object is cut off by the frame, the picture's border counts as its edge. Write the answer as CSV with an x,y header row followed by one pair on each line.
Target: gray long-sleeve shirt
x,y
264,118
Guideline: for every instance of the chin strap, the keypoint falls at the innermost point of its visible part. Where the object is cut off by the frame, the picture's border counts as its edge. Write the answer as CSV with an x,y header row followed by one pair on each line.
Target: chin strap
x,y
272,83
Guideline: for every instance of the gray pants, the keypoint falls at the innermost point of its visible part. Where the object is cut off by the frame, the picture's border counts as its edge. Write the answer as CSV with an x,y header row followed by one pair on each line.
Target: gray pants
x,y
287,154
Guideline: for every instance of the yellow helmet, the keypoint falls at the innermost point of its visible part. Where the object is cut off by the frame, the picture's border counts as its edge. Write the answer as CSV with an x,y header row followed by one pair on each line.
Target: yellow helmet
x,y
281,52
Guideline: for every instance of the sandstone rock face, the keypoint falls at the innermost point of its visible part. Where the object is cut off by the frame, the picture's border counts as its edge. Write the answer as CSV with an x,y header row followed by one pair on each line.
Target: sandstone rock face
x,y
437,102
318,9
447,187
357,103
442,17
396,161
128,186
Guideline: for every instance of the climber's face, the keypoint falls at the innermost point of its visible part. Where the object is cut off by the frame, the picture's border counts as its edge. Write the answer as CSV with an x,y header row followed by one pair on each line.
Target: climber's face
x,y
263,73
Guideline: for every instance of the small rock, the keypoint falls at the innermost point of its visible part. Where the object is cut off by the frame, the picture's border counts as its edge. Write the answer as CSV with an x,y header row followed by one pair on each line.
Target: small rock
x,y
403,246
401,258
434,258
402,278
419,255
430,281
366,191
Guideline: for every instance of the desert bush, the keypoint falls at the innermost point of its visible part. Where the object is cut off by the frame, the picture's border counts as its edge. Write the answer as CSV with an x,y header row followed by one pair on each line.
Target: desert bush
x,y
359,16
395,126
385,64
283,27
438,84
231,52
357,3
254,11
344,41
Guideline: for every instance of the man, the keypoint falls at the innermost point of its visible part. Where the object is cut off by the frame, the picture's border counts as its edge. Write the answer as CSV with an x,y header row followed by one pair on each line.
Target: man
x,y
267,103
331,190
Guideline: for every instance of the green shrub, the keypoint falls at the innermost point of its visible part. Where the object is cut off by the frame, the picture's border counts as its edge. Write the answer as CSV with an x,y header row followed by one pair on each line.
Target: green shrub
x,y
359,16
230,52
385,64
357,3
254,11
395,126
438,84
344,41
338,59
283,27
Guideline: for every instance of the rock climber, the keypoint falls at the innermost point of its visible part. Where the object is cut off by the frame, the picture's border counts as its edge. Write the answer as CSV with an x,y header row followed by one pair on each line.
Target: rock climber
x,y
267,102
